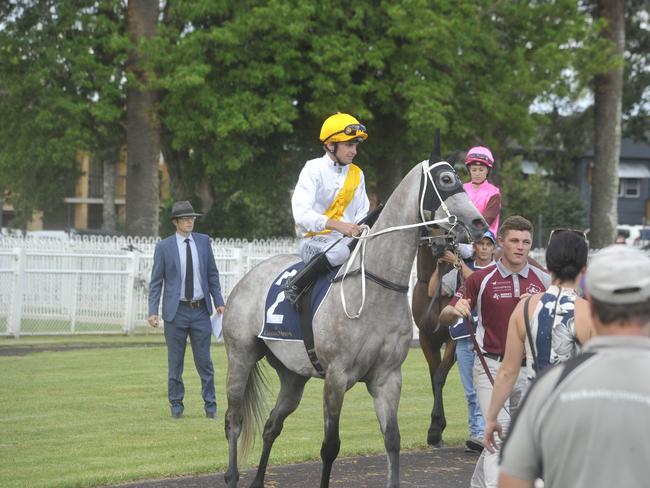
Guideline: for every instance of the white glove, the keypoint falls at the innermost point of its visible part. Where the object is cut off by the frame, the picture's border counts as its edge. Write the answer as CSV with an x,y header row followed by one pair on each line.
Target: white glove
x,y
466,250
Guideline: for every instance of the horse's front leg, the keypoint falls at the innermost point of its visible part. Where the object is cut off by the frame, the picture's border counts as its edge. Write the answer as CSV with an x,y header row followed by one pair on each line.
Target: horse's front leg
x,y
385,392
333,392
439,379
431,348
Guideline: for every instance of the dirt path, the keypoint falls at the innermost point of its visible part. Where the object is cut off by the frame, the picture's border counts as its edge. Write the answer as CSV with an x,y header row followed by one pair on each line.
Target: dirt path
x,y
442,468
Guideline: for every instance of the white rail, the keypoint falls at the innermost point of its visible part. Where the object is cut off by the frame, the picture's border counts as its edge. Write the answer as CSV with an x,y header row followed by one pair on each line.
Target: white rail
x,y
99,285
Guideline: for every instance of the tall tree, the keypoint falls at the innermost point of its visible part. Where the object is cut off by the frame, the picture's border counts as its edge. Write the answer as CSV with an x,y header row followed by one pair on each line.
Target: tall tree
x,y
143,138
109,214
636,79
608,90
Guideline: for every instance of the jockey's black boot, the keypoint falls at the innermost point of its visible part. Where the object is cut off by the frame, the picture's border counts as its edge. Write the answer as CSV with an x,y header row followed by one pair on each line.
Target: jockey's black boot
x,y
295,287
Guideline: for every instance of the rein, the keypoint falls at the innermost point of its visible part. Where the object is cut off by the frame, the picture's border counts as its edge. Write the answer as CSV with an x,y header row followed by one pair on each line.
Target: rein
x,y
438,291
377,279
450,219
470,323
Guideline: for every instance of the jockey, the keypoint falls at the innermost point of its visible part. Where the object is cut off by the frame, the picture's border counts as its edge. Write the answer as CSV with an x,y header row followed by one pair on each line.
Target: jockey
x,y
483,194
329,198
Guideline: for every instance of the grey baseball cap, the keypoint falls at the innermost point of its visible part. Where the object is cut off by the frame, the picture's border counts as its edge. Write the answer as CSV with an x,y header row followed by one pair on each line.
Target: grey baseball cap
x,y
619,274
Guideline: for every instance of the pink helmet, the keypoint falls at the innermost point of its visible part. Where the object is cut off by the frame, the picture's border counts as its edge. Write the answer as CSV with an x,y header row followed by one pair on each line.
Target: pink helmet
x,y
481,155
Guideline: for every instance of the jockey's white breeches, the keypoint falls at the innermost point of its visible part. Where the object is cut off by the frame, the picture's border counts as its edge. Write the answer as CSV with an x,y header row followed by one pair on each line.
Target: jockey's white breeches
x,y
336,255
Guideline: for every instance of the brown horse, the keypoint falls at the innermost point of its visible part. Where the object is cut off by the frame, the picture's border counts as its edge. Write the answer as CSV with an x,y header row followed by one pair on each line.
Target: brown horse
x,y
425,313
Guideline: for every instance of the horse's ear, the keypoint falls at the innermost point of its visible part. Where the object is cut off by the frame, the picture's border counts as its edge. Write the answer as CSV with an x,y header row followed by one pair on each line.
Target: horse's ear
x,y
454,158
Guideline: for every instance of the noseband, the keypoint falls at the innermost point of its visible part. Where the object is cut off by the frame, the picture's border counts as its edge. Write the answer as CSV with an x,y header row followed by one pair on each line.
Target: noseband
x,y
442,178
447,185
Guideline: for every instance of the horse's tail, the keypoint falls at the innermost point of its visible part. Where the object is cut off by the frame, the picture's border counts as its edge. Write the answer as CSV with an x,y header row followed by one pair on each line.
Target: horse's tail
x,y
254,408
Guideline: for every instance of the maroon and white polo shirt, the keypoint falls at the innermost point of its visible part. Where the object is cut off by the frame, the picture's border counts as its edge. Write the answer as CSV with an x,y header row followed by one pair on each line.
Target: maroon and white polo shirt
x,y
495,292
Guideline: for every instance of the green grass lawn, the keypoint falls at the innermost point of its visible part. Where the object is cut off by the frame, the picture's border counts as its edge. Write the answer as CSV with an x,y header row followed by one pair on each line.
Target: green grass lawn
x,y
100,416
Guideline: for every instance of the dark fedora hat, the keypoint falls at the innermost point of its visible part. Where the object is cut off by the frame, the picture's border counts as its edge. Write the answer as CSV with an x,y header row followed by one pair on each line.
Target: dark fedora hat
x,y
183,209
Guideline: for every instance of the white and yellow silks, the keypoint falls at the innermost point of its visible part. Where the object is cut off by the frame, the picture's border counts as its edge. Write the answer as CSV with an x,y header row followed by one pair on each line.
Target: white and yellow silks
x,y
342,199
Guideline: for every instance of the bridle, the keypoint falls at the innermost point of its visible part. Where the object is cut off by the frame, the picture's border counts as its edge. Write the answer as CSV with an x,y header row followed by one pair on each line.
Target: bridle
x,y
455,187
450,219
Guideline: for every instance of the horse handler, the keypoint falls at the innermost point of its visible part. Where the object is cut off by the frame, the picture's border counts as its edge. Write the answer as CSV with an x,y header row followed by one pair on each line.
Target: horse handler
x,y
495,292
185,264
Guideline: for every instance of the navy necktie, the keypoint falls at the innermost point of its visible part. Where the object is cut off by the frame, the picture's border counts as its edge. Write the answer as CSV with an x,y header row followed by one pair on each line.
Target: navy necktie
x,y
189,272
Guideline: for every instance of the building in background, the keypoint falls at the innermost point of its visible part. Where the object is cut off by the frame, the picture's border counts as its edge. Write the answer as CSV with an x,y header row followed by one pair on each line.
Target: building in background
x,y
633,178
83,210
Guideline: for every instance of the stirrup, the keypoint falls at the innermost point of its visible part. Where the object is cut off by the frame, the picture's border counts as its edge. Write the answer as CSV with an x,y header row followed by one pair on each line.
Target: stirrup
x,y
291,293
296,286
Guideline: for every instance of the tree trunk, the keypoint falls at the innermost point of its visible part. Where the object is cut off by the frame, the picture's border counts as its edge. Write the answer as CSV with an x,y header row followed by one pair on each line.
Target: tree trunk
x,y
109,217
143,138
608,89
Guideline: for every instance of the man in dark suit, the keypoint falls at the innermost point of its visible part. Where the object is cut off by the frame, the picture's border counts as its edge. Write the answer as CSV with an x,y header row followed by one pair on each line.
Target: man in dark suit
x,y
185,264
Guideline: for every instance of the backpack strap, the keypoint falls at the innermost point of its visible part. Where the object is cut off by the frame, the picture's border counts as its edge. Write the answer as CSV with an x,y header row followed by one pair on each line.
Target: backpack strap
x,y
529,334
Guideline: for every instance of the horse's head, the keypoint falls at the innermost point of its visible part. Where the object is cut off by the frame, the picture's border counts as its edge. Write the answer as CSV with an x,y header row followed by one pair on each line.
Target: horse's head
x,y
442,198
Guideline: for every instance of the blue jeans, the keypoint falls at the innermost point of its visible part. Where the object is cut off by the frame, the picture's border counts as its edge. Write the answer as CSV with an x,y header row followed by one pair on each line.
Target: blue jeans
x,y
465,359
194,323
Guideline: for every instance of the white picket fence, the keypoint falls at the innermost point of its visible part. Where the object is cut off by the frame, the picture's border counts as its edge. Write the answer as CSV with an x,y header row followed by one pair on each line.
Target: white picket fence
x,y
99,285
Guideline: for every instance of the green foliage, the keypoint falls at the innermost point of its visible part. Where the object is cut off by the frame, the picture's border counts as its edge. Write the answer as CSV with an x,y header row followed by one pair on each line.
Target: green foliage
x,y
541,200
242,89
85,418
562,140
60,68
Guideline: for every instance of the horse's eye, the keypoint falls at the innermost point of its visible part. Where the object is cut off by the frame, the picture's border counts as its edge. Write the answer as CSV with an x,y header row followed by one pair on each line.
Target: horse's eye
x,y
447,179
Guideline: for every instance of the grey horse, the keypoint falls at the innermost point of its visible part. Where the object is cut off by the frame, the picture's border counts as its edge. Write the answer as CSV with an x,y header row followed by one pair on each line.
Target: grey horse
x,y
370,348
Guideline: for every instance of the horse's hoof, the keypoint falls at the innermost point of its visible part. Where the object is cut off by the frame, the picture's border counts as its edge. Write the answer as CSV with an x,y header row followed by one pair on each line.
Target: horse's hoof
x,y
231,479
434,440
438,445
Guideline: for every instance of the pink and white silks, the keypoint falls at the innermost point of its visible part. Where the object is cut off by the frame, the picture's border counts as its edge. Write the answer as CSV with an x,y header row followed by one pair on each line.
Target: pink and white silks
x,y
481,197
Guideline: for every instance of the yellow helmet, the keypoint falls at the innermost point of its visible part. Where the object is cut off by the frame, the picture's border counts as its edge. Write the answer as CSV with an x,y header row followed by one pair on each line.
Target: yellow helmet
x,y
342,127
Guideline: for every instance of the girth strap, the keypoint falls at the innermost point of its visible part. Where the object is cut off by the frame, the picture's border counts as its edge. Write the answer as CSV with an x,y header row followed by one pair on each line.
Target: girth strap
x,y
306,326
377,279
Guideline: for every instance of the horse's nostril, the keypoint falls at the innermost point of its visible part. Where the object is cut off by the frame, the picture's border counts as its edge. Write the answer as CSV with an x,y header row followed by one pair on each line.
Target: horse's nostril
x,y
478,223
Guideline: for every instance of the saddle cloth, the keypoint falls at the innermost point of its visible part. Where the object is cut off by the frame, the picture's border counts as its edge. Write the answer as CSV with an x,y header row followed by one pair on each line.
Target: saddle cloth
x,y
281,321
459,329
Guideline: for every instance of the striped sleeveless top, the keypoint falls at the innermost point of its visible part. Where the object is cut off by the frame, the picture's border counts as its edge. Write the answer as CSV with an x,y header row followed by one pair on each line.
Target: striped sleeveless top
x,y
553,329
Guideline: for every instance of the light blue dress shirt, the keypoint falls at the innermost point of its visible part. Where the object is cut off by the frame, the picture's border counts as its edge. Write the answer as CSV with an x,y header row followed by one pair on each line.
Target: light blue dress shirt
x,y
198,291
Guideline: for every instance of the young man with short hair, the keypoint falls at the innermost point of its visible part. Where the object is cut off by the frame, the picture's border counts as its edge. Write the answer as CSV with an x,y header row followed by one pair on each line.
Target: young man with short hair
x,y
483,257
495,292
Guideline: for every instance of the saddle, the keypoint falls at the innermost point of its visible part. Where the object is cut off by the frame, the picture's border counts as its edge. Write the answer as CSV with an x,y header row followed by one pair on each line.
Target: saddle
x,y
281,319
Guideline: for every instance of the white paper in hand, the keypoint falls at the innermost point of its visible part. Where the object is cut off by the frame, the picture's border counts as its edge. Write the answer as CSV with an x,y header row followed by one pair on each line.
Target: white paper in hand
x,y
216,320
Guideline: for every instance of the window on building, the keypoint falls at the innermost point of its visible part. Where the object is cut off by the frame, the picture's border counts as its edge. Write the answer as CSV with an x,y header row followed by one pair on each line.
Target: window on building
x,y
629,187
95,216
95,179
